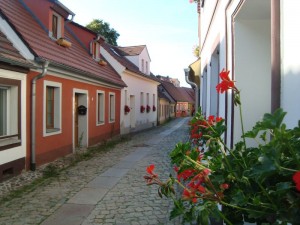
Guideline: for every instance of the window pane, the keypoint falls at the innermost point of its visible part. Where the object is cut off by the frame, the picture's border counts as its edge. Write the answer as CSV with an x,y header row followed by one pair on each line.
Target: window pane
x,y
54,26
3,112
112,107
100,115
50,107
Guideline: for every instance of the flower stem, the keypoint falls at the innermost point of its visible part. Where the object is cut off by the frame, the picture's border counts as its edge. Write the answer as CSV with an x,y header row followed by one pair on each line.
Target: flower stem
x,y
224,217
241,118
240,208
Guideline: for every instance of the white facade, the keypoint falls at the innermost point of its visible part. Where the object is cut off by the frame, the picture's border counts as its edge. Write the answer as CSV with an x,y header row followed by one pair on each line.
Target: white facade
x,y
142,61
240,36
140,90
290,65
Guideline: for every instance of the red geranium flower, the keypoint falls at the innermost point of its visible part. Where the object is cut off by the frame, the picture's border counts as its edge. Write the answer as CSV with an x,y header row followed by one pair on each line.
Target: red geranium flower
x,y
150,170
296,178
189,195
226,82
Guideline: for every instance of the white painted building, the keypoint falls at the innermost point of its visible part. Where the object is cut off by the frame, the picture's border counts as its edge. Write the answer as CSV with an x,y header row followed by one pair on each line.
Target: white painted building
x,y
133,65
258,42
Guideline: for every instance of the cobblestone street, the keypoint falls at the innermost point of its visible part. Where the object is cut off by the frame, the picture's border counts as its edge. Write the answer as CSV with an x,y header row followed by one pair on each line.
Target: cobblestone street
x,y
107,189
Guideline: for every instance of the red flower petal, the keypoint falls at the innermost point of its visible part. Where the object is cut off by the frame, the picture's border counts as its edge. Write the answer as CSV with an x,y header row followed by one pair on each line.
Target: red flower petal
x,y
296,179
150,169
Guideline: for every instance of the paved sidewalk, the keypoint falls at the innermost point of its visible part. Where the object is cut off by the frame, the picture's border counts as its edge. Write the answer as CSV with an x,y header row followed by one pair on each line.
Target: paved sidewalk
x,y
108,189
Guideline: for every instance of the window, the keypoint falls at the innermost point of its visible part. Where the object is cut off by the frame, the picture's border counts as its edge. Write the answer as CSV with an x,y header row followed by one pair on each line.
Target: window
x,y
142,98
56,29
147,98
95,50
112,107
146,68
52,108
154,99
10,113
125,97
142,65
54,26
100,107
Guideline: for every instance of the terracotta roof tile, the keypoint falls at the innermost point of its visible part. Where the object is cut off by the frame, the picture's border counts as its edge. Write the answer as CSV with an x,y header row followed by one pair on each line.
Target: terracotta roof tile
x,y
75,57
179,94
119,55
132,50
9,54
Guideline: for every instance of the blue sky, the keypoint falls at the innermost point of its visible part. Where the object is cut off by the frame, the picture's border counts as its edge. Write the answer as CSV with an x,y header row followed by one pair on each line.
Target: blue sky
x,y
167,27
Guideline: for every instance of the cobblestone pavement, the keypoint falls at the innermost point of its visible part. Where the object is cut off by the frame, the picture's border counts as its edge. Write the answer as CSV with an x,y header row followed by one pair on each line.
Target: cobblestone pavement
x,y
108,189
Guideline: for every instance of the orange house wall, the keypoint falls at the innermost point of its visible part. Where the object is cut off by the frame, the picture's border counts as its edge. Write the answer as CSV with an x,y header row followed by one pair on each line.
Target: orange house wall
x,y
52,147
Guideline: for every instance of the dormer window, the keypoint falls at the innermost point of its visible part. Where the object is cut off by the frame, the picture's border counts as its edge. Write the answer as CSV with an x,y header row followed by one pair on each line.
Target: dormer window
x,y
95,50
56,28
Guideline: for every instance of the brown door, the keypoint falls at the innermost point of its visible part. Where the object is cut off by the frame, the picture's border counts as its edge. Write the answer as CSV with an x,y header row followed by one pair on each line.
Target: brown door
x,y
76,121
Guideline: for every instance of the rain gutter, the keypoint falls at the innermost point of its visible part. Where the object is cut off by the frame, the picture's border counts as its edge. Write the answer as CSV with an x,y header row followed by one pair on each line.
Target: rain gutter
x,y
33,113
186,71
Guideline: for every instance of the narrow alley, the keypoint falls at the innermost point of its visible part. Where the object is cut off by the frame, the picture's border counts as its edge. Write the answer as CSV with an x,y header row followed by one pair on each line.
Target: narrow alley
x,y
107,189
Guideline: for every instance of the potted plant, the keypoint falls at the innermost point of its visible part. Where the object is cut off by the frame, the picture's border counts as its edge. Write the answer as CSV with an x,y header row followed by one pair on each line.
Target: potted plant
x,y
258,184
142,109
126,109
63,42
102,62
148,108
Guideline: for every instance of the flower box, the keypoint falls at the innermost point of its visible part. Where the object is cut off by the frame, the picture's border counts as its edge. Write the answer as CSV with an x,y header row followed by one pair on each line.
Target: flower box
x,y
126,109
64,42
102,62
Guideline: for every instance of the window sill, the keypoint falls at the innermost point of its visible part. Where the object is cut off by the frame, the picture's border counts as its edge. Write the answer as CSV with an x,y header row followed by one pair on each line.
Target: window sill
x,y
52,131
9,143
99,123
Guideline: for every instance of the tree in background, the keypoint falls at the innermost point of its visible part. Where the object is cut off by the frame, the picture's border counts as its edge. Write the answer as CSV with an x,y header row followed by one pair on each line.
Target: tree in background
x,y
103,28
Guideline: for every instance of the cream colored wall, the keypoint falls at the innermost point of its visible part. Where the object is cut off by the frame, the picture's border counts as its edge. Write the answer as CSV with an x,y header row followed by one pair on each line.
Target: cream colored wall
x,y
290,67
136,85
15,153
251,58
252,72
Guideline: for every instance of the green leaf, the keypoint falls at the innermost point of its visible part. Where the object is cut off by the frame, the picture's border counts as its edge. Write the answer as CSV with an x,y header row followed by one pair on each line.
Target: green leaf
x,y
177,210
283,186
203,217
239,198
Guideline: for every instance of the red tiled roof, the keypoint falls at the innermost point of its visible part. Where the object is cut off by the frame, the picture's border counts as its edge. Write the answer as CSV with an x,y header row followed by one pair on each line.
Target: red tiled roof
x,y
179,94
132,50
75,58
119,55
9,54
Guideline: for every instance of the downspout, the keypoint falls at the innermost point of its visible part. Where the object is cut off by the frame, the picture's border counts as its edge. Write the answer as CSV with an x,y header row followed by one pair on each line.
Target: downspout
x,y
186,71
33,114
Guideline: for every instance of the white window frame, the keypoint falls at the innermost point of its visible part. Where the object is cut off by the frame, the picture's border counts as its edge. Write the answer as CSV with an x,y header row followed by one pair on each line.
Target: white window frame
x,y
112,107
100,107
57,109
